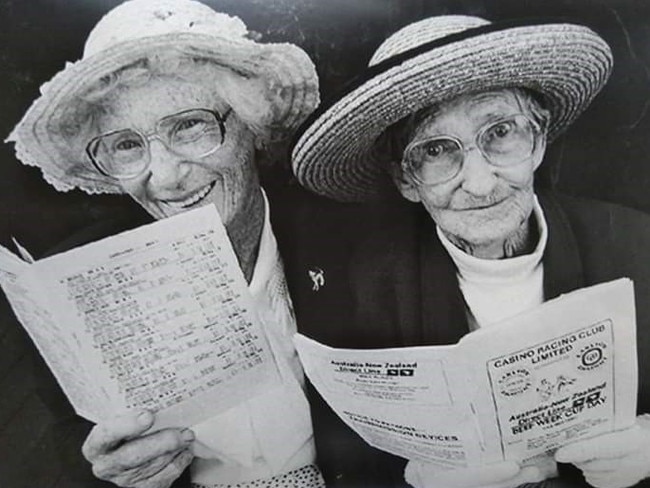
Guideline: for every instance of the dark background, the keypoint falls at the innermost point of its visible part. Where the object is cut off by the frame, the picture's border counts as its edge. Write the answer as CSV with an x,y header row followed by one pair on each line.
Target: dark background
x,y
604,155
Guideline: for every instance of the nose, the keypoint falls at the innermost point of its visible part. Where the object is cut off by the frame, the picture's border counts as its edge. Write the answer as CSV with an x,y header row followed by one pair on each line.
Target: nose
x,y
165,168
478,174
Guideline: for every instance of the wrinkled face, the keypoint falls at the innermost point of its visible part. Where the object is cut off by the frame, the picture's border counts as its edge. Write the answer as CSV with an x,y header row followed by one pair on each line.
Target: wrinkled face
x,y
172,184
483,203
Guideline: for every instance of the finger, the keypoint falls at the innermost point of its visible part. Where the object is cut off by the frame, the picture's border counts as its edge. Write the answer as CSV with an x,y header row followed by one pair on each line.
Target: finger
x,y
546,466
610,445
136,453
612,481
528,474
145,471
483,475
160,472
605,465
170,473
107,435
180,459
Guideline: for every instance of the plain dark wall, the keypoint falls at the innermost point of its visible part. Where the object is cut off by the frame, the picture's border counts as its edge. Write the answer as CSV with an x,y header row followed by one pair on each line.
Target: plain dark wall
x,y
604,155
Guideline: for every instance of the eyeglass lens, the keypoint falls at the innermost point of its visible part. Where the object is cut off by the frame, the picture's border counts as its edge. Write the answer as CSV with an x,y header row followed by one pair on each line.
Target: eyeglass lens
x,y
193,133
506,142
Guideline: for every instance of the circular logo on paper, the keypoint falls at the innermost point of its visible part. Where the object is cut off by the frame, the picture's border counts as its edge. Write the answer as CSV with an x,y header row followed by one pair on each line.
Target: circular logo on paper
x,y
592,356
515,382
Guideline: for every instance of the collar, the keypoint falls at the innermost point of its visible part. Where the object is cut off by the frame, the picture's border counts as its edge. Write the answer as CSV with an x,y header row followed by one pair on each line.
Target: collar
x,y
563,268
266,255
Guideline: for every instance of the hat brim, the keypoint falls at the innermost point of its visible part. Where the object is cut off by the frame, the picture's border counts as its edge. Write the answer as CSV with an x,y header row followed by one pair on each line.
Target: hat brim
x,y
567,64
291,80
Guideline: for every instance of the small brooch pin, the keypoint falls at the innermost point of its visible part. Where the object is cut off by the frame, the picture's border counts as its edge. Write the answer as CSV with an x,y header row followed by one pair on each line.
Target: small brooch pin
x,y
317,277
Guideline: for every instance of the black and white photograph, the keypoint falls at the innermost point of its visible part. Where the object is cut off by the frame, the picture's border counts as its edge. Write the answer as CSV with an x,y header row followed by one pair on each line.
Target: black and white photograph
x,y
325,244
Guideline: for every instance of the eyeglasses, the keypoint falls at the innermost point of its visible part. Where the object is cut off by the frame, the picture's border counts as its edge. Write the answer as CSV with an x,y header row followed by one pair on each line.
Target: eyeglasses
x,y
125,154
506,142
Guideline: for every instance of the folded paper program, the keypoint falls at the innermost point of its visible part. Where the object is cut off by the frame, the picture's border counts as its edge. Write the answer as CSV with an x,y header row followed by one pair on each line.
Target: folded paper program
x,y
497,395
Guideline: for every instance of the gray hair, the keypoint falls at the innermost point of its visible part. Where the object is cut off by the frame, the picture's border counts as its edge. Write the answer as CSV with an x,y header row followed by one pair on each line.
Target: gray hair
x,y
245,95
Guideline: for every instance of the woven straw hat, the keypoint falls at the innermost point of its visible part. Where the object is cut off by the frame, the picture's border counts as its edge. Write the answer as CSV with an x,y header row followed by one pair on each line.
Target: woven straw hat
x,y
433,60
130,32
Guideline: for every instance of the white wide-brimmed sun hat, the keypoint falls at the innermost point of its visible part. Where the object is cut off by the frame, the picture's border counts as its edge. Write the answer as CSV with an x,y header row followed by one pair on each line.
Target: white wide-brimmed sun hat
x,y
433,60
131,32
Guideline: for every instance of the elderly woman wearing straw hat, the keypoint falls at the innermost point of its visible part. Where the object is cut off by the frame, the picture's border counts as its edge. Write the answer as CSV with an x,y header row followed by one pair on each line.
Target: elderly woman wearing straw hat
x,y
455,113
174,104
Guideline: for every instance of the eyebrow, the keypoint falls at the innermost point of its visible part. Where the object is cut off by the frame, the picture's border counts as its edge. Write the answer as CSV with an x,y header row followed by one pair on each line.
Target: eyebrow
x,y
480,101
496,112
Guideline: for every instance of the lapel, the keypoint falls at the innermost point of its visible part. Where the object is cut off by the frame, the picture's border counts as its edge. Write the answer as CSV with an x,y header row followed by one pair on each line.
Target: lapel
x,y
407,290
443,319
563,271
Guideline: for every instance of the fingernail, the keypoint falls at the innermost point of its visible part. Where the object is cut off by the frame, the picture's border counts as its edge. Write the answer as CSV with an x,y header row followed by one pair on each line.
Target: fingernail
x,y
187,435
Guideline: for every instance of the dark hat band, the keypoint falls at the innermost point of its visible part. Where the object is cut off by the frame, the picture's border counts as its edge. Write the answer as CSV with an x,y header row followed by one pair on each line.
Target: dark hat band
x,y
397,59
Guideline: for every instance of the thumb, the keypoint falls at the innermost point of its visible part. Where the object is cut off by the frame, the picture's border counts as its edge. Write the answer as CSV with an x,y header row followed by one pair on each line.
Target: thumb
x,y
481,475
422,475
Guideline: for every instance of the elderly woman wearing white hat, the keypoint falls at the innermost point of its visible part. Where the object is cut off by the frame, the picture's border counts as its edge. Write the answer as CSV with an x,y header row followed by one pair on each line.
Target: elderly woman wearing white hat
x,y
173,104
455,112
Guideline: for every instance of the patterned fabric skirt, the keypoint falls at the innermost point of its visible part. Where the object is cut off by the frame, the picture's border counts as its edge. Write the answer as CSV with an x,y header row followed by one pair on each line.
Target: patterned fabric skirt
x,y
305,477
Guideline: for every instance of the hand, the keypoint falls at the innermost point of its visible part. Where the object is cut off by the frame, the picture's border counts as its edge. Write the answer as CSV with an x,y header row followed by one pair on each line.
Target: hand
x,y
123,454
613,460
507,474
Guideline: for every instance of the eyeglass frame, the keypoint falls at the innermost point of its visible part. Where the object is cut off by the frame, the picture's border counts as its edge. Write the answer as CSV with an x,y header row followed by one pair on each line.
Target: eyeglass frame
x,y
538,132
156,135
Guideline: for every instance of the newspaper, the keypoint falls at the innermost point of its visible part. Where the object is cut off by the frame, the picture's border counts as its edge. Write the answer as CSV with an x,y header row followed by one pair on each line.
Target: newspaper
x,y
159,317
517,390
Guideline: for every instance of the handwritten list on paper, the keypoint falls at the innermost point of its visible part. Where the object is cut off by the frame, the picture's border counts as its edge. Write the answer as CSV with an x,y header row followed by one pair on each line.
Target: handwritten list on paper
x,y
163,319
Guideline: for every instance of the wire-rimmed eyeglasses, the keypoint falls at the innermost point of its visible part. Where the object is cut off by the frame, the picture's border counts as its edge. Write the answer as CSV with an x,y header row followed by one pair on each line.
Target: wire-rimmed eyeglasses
x,y
125,154
505,142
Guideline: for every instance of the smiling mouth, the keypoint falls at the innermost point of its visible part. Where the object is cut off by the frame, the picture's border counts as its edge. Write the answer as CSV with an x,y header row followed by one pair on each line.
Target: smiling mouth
x,y
482,206
487,205
193,199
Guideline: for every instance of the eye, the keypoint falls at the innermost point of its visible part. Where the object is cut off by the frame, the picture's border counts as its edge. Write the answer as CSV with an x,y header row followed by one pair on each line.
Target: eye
x,y
437,148
501,130
127,144
188,124
433,153
190,129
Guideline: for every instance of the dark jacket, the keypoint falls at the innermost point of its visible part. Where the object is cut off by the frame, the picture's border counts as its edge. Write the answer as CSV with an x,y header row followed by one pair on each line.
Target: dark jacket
x,y
389,282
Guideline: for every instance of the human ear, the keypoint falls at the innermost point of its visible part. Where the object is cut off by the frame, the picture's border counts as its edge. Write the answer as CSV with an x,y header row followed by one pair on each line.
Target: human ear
x,y
538,156
404,184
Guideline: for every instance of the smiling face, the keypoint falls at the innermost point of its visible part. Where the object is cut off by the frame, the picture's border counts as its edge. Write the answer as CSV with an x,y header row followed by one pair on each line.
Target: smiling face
x,y
172,184
483,204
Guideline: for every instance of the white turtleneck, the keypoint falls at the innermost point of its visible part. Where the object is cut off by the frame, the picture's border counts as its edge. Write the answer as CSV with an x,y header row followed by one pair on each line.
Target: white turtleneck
x,y
495,289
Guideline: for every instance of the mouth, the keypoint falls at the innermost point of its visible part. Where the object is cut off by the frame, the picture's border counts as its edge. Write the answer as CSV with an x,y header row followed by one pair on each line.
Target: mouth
x,y
193,199
479,204
484,206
